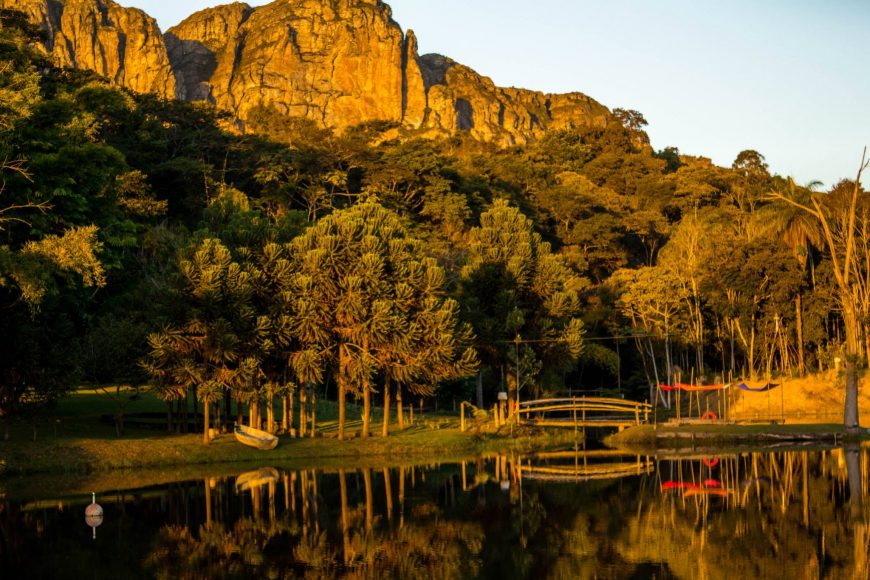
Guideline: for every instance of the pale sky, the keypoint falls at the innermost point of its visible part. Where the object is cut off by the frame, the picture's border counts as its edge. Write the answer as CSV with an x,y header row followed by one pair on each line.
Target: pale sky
x,y
789,78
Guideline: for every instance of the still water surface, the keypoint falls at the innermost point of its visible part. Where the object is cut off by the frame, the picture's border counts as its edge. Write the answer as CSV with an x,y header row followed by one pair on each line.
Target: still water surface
x,y
774,514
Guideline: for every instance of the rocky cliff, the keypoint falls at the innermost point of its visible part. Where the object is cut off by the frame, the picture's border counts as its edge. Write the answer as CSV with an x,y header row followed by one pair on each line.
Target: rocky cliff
x,y
123,44
339,62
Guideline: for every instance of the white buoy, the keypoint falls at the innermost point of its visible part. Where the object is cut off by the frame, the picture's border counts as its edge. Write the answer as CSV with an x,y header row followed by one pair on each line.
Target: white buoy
x,y
94,514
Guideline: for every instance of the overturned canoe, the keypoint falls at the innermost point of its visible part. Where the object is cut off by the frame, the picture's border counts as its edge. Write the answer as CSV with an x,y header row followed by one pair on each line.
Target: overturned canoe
x,y
256,478
255,438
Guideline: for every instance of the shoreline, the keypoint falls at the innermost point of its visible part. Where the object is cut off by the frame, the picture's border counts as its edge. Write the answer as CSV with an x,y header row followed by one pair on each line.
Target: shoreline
x,y
99,456
654,438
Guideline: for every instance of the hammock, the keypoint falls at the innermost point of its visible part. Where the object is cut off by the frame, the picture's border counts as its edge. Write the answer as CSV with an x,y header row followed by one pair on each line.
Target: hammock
x,y
692,388
669,388
764,389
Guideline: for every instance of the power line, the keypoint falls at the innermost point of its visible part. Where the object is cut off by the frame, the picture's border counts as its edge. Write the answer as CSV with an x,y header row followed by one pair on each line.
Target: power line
x,y
552,340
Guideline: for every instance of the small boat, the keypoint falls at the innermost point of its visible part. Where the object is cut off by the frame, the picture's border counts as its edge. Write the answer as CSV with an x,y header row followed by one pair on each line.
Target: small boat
x,y
256,478
255,438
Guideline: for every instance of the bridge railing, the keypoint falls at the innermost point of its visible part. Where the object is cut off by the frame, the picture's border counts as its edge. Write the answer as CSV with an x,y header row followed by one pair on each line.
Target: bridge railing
x,y
583,410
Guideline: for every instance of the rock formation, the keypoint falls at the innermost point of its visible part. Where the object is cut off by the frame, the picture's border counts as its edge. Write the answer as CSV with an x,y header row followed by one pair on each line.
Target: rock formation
x,y
122,44
338,62
459,98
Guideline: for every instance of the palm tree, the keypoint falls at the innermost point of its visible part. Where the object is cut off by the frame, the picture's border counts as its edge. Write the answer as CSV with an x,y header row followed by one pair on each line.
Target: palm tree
x,y
801,232
842,216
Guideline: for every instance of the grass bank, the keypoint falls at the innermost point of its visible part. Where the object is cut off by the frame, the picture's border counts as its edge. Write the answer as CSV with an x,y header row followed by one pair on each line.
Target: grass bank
x,y
138,450
650,438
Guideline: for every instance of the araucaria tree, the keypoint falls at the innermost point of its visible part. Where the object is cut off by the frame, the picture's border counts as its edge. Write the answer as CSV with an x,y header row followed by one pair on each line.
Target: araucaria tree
x,y
211,351
516,289
367,303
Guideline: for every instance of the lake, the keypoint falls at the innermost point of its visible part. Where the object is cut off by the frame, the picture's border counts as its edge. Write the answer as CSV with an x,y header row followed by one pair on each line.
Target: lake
x,y
771,514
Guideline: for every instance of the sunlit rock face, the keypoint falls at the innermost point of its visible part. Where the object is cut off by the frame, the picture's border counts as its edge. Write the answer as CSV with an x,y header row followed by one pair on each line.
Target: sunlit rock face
x,y
122,44
459,98
337,62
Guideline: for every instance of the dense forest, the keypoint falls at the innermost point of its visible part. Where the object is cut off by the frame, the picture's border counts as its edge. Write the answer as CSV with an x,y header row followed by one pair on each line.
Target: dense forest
x,y
146,241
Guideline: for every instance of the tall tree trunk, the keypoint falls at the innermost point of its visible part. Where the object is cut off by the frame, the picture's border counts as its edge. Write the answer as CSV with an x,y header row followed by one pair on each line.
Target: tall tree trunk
x,y
851,408
386,430
342,392
169,416
699,347
290,413
799,325
303,412
669,366
480,388
270,413
400,410
312,404
342,388
228,409
285,418
752,350
367,410
640,349
733,358
866,344
205,421
512,393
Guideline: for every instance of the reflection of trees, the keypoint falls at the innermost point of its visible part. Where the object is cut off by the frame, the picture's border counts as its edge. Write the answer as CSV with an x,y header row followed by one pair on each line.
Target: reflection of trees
x,y
427,544
784,514
755,515
294,531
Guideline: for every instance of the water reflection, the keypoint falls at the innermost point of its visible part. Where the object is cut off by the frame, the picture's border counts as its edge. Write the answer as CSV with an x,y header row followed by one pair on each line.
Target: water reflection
x,y
600,514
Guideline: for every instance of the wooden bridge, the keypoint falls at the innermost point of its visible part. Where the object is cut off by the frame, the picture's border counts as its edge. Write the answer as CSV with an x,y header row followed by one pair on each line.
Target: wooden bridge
x,y
582,412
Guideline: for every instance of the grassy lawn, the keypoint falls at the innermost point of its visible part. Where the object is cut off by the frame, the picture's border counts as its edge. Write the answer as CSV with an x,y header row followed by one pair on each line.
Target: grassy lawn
x,y
94,403
72,439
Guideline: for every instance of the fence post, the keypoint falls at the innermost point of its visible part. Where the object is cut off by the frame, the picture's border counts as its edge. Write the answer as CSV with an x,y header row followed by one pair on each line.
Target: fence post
x,y
574,410
462,417
637,413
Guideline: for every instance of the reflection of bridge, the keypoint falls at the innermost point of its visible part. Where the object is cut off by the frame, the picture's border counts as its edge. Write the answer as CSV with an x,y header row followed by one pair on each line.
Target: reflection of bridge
x,y
584,412
573,466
